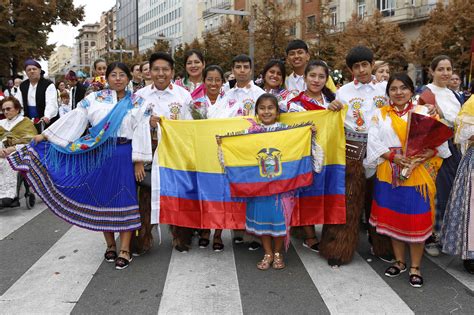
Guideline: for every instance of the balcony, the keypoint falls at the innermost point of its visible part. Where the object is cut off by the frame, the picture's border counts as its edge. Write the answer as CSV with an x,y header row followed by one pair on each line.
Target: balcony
x,y
410,14
225,5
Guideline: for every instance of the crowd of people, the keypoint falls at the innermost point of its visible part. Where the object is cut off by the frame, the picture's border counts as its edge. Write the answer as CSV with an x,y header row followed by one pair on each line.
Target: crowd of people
x,y
91,163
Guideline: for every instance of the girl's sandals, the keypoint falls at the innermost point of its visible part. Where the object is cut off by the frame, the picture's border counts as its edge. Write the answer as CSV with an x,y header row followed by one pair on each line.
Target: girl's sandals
x,y
265,263
416,280
217,245
110,254
396,269
278,262
314,247
122,262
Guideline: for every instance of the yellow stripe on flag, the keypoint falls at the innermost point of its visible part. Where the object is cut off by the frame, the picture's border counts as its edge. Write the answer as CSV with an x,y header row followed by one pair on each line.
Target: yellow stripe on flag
x,y
190,145
243,150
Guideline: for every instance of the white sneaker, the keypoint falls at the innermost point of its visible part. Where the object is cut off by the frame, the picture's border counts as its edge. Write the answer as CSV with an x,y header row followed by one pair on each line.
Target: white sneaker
x,y
432,249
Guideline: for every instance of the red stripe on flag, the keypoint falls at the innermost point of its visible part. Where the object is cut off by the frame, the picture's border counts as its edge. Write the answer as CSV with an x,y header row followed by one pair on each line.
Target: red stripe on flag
x,y
329,209
271,187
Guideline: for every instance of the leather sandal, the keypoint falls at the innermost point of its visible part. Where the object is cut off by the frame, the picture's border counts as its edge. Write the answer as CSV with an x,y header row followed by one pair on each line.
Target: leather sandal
x,y
395,270
278,262
110,254
416,280
121,262
265,263
314,247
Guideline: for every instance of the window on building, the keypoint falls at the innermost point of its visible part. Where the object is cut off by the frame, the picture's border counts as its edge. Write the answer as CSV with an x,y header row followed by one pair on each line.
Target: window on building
x,y
333,16
386,7
361,8
292,30
310,23
86,44
92,44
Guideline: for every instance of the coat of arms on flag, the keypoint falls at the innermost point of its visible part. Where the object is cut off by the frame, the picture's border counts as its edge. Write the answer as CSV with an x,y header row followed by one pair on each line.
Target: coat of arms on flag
x,y
269,162
283,159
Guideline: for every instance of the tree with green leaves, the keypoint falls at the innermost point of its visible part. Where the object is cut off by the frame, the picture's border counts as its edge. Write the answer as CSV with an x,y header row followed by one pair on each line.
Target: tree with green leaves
x,y
384,38
449,31
25,26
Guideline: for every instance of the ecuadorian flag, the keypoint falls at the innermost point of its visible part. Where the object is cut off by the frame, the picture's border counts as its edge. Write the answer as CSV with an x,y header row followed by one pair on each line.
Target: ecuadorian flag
x,y
268,163
195,192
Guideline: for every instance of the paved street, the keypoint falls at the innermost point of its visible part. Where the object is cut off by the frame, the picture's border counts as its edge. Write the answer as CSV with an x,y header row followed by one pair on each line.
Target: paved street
x,y
47,266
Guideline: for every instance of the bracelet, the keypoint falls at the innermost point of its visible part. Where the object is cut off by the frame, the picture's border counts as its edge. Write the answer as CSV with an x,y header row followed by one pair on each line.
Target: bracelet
x,y
391,156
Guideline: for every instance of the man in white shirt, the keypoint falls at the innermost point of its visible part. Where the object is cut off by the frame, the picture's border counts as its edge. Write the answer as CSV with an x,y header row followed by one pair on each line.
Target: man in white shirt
x,y
168,99
38,96
239,100
363,96
173,102
297,55
14,90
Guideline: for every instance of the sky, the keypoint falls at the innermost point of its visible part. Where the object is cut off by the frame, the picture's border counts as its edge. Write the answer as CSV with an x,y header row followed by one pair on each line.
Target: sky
x,y
65,34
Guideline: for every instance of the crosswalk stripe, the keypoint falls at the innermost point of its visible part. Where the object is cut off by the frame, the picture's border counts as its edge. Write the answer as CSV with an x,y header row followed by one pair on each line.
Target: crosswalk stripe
x,y
202,282
453,266
57,280
13,219
363,290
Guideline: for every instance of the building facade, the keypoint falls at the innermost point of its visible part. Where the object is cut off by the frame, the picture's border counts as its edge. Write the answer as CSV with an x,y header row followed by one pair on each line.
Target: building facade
x,y
174,20
210,21
106,35
58,62
87,41
127,21
410,15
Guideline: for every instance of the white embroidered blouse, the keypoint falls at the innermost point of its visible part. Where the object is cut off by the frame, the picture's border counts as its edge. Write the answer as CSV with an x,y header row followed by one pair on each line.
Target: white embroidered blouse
x,y
92,109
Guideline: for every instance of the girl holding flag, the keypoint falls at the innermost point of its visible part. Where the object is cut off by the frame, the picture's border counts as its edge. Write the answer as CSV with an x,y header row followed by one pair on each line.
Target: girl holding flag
x,y
269,216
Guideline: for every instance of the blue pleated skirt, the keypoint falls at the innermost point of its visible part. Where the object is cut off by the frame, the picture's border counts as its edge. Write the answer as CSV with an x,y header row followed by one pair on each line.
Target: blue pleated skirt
x,y
103,199
264,216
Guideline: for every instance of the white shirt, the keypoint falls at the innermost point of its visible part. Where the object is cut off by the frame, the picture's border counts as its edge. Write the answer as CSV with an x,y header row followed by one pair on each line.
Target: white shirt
x,y
16,94
447,102
382,137
236,102
174,102
295,83
92,109
51,99
8,124
363,100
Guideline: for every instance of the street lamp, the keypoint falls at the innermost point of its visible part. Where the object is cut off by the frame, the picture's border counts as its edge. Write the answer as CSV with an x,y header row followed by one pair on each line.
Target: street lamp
x,y
170,39
251,27
121,51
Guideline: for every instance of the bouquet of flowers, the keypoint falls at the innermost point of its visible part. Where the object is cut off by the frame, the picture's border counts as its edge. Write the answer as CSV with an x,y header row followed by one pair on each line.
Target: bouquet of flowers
x,y
424,132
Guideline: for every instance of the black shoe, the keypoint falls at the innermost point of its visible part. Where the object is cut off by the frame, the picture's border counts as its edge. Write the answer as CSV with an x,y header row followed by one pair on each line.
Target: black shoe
x,y
314,247
254,245
238,240
15,203
181,249
203,242
121,262
334,262
6,202
394,270
218,247
415,280
110,254
469,265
